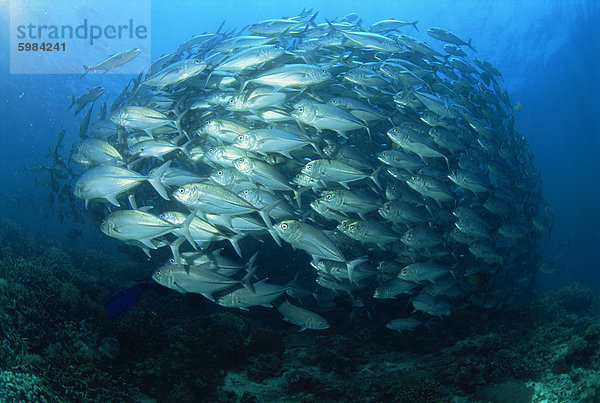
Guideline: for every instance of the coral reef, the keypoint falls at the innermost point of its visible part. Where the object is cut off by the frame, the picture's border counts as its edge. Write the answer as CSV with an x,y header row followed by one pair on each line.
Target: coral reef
x,y
58,345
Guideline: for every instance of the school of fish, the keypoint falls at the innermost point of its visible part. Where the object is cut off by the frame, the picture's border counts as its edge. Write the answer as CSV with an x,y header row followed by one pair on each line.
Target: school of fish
x,y
392,163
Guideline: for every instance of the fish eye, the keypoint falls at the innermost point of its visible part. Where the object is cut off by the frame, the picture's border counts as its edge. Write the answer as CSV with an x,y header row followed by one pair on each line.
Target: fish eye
x,y
219,173
231,100
284,226
308,167
328,197
301,109
181,190
172,261
352,227
240,137
246,191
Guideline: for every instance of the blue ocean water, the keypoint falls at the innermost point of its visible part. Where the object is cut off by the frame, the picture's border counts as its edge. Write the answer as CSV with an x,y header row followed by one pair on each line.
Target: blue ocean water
x,y
544,49
547,51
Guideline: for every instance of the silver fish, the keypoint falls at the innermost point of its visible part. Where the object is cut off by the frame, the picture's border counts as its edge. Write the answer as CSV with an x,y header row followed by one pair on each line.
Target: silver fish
x,y
302,317
109,182
116,60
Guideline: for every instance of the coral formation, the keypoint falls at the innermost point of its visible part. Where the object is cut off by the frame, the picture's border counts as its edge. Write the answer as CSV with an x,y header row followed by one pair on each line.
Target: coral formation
x,y
57,344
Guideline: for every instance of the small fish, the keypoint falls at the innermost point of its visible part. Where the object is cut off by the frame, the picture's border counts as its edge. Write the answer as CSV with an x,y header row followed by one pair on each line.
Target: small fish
x,y
386,26
90,95
403,324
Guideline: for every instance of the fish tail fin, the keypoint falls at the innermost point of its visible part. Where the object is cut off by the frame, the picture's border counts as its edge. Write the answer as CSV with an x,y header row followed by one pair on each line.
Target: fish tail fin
x,y
178,125
293,283
369,133
250,263
414,24
470,45
184,150
154,180
314,144
72,102
175,249
245,281
312,20
374,176
332,29
426,324
275,236
86,69
185,228
208,79
220,27
351,265
298,196
243,85
234,240
264,214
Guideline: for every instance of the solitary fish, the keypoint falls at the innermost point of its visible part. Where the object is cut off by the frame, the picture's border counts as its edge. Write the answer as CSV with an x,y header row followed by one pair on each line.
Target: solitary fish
x,y
403,324
447,36
302,317
113,61
386,26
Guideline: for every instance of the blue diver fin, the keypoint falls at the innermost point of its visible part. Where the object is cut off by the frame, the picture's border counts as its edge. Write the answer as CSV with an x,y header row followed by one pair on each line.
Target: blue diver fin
x,y
121,302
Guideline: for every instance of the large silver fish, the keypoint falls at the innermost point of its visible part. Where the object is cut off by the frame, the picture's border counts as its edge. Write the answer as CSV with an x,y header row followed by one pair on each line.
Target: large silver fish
x,y
108,182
